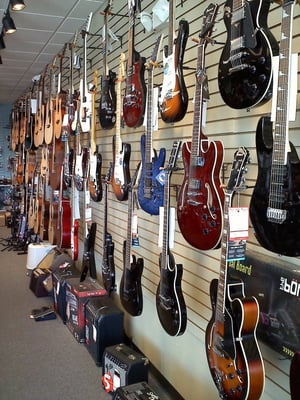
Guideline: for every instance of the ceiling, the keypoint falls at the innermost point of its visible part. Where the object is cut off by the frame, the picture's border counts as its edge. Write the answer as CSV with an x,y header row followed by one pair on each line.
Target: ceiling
x,y
43,28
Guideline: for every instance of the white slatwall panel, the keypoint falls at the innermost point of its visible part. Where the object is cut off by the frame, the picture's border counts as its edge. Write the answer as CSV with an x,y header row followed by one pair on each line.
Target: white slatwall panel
x,y
182,360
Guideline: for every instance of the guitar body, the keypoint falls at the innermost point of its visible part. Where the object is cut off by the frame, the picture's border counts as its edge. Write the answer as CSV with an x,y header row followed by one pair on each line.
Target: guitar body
x,y
134,101
107,105
245,73
121,173
74,239
44,224
201,198
170,304
29,142
56,161
65,224
150,190
282,238
232,352
174,102
108,265
94,179
130,286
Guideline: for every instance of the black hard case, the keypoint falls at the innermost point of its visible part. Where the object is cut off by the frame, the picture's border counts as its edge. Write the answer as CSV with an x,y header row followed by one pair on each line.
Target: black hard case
x,y
104,326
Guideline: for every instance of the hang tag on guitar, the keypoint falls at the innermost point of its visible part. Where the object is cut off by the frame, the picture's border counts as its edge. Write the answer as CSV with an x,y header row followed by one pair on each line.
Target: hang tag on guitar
x,y
134,231
239,223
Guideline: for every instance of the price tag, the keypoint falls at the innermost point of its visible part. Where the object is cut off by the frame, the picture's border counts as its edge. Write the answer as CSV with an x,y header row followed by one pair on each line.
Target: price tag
x,y
239,223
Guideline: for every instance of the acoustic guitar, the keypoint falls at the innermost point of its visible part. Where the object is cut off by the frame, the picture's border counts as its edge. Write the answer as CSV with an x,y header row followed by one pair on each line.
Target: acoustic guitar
x,y
200,198
150,189
274,205
245,66
60,100
134,100
107,101
121,151
174,98
170,304
232,350
131,294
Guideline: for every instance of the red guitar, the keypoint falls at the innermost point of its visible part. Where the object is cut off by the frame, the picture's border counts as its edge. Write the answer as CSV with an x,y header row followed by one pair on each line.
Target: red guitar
x,y
232,350
134,101
200,199
174,98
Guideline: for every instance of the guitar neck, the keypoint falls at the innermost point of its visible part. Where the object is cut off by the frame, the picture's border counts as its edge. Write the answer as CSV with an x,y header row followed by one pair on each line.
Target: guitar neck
x,y
197,134
148,144
171,27
118,142
166,222
129,230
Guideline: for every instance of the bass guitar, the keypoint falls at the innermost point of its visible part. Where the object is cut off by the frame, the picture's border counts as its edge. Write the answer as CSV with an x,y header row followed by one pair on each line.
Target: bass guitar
x,y
121,151
108,265
107,103
274,205
174,97
200,199
131,294
134,101
245,67
170,304
232,350
150,189
95,158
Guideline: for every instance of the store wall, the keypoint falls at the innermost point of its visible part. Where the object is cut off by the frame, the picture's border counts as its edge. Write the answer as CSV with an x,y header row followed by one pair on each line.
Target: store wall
x,y
182,360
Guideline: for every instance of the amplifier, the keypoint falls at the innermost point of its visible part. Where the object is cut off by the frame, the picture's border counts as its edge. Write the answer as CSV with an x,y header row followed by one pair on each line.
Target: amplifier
x,y
103,326
136,391
123,366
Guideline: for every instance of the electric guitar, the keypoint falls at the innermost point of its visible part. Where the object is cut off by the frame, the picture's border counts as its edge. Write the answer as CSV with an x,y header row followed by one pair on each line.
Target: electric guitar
x,y
200,199
121,151
134,101
274,205
232,350
131,294
174,98
85,95
150,189
107,103
95,158
170,304
245,67
108,265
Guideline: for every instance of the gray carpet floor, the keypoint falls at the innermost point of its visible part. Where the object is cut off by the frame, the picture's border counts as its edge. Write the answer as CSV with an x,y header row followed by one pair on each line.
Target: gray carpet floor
x,y
38,360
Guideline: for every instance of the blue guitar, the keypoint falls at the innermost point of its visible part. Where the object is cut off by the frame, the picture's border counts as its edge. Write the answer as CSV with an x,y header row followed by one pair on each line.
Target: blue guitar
x,y
150,188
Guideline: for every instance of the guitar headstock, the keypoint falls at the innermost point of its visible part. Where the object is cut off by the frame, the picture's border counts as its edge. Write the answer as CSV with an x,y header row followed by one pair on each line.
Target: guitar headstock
x,y
238,170
153,61
209,18
121,68
109,173
134,177
171,165
86,29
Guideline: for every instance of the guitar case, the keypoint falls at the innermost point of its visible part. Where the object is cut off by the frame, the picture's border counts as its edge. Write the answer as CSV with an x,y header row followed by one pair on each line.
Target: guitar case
x,y
103,326
65,270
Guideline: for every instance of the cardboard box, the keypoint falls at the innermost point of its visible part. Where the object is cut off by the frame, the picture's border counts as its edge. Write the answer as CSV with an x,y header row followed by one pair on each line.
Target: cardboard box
x,y
77,295
276,285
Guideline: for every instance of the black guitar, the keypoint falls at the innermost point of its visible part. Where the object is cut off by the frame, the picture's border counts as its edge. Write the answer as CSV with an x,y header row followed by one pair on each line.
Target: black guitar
x,y
107,103
170,302
108,265
245,67
275,202
130,286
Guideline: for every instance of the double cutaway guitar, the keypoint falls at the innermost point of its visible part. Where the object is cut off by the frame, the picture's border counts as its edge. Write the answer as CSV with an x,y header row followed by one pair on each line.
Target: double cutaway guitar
x,y
200,199
232,350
